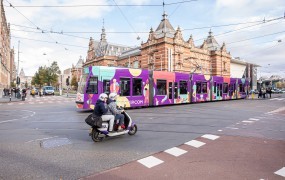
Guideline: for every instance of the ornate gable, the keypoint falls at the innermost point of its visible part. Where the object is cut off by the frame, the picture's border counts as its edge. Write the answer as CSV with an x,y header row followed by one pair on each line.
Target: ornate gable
x,y
178,38
191,41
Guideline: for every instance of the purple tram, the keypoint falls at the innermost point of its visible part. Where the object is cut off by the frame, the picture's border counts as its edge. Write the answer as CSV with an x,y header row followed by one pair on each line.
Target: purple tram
x,y
143,88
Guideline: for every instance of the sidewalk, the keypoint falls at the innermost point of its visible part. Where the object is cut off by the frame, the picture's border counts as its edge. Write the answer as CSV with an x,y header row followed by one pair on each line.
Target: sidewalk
x,y
255,97
6,99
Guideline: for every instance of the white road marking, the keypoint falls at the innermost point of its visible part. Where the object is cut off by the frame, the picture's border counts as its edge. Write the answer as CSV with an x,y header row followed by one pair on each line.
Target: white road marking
x,y
276,111
210,136
231,128
281,172
41,139
253,119
175,151
11,120
195,143
247,121
150,161
220,130
9,104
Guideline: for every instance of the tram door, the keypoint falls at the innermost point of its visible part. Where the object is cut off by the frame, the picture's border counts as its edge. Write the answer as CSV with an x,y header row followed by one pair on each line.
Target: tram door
x,y
175,90
219,91
170,95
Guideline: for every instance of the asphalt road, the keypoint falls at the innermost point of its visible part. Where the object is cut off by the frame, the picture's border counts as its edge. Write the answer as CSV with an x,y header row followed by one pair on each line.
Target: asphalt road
x,y
47,138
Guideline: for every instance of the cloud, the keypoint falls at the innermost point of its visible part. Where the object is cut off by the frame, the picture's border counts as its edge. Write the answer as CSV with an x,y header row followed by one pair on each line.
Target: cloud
x,y
187,16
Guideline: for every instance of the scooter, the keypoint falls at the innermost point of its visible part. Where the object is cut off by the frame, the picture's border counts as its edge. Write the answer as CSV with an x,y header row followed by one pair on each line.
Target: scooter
x,y
98,134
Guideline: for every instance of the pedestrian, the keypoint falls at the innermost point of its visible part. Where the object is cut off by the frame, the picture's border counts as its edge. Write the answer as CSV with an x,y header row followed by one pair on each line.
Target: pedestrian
x,y
263,92
41,92
270,92
259,93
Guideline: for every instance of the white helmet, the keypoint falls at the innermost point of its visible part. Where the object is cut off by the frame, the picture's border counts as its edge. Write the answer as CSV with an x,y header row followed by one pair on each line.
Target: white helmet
x,y
112,96
103,96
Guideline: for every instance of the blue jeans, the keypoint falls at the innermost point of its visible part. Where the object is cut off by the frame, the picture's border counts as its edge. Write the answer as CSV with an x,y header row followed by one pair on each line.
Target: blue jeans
x,y
121,118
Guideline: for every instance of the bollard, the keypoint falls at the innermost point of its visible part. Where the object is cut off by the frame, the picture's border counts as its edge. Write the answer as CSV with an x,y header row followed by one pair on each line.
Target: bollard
x,y
252,96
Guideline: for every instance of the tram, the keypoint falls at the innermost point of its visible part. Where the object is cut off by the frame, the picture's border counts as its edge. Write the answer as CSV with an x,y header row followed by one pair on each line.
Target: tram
x,y
144,88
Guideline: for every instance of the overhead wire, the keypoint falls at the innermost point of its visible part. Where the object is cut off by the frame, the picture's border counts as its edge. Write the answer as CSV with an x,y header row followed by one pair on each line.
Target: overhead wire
x,y
69,33
98,5
138,37
37,27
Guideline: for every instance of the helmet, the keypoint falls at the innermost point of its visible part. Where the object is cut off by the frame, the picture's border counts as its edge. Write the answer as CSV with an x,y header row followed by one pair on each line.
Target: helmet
x,y
103,96
112,96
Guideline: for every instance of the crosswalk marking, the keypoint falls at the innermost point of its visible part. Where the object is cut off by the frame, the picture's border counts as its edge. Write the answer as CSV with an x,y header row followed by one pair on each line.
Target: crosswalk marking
x,y
210,136
41,100
195,143
150,161
281,172
175,151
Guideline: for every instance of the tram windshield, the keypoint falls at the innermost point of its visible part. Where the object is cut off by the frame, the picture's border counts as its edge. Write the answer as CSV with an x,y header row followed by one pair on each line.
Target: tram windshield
x,y
82,84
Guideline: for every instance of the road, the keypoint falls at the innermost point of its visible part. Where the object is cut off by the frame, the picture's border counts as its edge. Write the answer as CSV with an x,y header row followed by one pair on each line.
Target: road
x,y
47,138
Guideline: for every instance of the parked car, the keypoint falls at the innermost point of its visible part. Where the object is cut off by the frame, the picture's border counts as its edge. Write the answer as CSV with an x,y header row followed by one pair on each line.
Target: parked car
x,y
276,91
36,91
253,91
48,90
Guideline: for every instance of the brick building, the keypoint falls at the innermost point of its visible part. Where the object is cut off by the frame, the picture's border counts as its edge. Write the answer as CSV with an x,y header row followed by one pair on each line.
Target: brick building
x,y
76,70
164,50
7,65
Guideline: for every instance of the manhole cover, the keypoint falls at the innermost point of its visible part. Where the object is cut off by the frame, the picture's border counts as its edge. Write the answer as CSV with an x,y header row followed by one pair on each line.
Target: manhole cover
x,y
56,142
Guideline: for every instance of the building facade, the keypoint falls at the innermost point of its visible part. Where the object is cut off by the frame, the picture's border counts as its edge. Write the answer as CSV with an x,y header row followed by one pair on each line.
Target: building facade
x,y
7,66
25,81
166,50
76,70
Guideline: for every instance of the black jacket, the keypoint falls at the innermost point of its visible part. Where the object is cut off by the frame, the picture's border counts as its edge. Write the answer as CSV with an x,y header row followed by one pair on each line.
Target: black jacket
x,y
100,108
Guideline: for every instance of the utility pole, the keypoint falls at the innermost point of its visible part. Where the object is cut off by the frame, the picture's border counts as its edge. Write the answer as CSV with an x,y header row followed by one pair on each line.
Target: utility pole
x,y
18,61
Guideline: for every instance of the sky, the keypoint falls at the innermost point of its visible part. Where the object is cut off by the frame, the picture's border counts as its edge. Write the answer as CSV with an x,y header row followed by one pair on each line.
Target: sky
x,y
43,31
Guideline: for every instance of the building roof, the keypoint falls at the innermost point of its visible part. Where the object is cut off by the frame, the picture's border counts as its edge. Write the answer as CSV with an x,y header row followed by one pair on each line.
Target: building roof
x,y
103,48
213,45
131,52
79,63
164,28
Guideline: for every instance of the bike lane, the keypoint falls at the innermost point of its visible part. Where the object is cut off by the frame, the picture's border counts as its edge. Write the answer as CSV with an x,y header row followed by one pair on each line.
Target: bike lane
x,y
208,157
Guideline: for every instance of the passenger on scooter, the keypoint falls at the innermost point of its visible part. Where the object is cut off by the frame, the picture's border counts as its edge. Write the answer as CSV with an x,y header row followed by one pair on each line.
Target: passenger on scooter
x,y
115,111
101,108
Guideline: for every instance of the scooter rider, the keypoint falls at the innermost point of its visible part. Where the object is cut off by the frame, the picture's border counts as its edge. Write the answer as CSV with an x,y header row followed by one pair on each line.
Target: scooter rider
x,y
115,111
101,109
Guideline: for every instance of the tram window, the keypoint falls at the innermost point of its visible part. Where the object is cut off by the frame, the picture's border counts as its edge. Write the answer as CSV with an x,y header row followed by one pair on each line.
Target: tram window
x,y
215,87
183,87
161,87
225,88
198,87
92,86
125,86
204,88
137,87
106,86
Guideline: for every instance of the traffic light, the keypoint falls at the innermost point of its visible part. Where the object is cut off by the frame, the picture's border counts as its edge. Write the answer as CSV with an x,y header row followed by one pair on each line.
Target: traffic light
x,y
18,80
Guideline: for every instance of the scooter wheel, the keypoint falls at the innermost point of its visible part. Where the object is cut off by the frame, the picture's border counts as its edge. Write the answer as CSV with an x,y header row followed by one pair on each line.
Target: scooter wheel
x,y
133,130
95,136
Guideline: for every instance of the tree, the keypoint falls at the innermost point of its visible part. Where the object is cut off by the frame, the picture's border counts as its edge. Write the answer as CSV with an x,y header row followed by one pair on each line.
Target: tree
x,y
74,82
47,75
